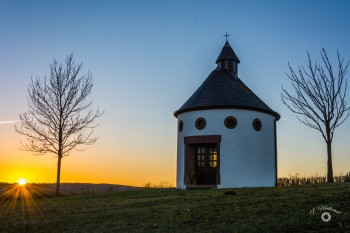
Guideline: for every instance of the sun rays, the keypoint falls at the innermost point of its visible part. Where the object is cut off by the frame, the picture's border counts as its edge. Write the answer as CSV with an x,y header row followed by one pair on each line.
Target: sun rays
x,y
13,193
20,201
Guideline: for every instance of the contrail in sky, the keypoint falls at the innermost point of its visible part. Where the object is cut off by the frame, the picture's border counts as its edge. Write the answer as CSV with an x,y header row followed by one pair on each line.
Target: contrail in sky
x,y
7,122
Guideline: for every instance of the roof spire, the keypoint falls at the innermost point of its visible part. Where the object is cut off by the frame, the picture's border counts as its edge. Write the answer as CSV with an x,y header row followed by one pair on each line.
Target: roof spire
x,y
226,35
227,52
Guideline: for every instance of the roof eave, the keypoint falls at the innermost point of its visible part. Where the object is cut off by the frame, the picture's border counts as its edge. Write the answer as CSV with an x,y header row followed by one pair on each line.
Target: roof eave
x,y
270,112
233,59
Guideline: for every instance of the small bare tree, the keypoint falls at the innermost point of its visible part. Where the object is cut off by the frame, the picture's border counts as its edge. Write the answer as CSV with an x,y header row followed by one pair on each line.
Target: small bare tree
x,y
319,98
59,116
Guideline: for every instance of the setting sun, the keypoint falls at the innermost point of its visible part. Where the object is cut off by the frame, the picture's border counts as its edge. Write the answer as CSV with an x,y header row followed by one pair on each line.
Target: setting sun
x,y
21,181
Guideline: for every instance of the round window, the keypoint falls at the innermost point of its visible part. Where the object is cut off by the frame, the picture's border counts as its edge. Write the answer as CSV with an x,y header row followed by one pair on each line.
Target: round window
x,y
230,122
257,124
181,126
200,123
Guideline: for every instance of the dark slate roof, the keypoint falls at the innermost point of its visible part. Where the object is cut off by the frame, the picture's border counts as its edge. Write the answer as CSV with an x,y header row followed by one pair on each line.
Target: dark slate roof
x,y
227,53
221,90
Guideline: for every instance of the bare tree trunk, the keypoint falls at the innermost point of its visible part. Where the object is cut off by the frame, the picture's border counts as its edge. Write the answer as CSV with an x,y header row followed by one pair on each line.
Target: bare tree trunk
x,y
329,154
60,154
329,163
58,181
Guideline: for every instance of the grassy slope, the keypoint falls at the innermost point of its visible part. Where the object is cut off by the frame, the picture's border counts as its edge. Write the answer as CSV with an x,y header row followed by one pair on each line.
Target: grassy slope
x,y
281,209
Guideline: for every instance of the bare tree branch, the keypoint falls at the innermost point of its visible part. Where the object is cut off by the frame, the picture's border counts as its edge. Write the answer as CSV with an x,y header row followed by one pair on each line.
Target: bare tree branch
x,y
319,98
59,116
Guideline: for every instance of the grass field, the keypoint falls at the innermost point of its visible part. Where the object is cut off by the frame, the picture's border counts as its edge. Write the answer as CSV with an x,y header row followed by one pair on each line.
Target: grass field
x,y
280,209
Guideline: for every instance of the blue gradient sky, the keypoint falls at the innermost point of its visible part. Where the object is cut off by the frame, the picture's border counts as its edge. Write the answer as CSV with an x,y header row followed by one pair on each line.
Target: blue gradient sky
x,y
147,58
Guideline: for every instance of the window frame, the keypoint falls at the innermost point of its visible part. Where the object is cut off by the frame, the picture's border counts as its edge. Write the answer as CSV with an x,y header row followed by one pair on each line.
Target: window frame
x,y
198,122
227,124
257,124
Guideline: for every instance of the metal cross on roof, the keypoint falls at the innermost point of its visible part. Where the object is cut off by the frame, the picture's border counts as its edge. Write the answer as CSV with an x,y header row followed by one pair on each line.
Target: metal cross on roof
x,y
226,35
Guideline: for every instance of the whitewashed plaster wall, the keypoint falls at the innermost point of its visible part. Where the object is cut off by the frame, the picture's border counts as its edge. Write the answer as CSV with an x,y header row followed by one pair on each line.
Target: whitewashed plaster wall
x,y
247,156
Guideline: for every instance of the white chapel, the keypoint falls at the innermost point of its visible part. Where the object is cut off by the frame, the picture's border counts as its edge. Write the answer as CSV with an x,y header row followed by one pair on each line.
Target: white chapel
x,y
226,134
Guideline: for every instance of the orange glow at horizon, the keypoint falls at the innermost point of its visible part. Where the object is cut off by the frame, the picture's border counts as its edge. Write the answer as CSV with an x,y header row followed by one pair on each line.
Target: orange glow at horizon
x,y
108,161
83,167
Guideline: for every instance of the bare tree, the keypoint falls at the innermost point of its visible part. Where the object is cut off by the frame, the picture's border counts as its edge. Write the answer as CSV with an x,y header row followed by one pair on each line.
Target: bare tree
x,y
59,116
319,98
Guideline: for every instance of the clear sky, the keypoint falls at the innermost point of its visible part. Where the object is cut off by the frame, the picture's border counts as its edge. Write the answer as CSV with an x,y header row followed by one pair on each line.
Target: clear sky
x,y
147,58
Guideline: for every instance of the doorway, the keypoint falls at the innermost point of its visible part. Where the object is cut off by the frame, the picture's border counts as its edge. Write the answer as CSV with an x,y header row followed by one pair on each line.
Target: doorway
x,y
202,160
206,163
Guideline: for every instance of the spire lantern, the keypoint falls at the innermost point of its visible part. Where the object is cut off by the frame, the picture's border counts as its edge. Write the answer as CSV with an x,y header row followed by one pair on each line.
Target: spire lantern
x,y
227,59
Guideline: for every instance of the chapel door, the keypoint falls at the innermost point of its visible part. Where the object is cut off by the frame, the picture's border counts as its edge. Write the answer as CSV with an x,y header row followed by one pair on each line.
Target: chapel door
x,y
206,164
